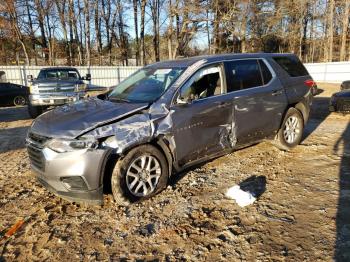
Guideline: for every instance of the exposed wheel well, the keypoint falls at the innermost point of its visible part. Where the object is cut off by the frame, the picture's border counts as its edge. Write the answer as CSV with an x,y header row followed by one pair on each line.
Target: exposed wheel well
x,y
112,158
303,110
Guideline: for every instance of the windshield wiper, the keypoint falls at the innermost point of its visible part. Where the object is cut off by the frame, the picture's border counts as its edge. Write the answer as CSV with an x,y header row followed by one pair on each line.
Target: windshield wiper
x,y
117,99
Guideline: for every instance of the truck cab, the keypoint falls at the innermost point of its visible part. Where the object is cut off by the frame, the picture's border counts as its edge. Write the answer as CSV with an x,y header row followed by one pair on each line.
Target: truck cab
x,y
55,86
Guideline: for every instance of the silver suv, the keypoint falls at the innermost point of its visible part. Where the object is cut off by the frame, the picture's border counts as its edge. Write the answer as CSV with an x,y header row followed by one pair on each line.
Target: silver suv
x,y
166,117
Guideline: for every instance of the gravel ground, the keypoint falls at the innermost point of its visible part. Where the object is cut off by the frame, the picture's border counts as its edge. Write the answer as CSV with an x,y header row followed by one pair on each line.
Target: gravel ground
x,y
303,214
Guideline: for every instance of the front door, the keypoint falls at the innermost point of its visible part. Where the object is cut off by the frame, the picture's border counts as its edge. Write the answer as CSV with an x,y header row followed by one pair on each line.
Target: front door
x,y
202,116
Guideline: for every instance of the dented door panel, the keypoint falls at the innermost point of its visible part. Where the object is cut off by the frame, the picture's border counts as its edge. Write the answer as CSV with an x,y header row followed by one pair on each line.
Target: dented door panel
x,y
204,124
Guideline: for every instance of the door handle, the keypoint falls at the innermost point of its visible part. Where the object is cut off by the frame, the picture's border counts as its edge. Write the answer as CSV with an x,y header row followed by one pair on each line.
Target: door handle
x,y
277,92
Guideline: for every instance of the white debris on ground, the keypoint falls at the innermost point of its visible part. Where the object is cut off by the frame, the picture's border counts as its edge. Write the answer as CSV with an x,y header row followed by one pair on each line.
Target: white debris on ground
x,y
241,197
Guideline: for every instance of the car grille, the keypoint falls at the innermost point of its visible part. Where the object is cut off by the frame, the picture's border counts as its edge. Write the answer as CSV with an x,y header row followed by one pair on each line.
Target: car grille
x,y
56,90
35,145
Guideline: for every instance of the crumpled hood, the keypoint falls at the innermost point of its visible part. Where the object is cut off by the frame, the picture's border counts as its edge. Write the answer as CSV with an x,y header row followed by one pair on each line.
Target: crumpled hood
x,y
73,120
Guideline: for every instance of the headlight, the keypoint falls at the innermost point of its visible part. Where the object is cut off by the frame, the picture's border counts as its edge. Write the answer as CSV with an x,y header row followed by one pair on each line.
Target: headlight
x,y
62,146
34,89
80,87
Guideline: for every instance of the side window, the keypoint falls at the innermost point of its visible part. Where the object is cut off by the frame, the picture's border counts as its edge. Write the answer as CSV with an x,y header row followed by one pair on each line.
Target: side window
x,y
243,74
267,76
292,65
205,83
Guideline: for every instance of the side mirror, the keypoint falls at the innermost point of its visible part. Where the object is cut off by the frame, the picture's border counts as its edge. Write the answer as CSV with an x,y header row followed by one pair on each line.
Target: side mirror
x,y
184,101
30,77
180,101
87,77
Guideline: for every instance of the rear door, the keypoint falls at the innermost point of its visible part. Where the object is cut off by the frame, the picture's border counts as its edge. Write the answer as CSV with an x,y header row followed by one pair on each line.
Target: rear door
x,y
258,97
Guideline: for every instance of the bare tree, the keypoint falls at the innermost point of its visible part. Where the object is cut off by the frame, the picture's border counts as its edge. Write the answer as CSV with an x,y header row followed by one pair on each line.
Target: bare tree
x,y
137,44
87,32
11,9
345,22
142,32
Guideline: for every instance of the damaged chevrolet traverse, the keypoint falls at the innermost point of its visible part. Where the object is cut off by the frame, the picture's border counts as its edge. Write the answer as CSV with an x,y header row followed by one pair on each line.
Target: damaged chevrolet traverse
x,y
166,117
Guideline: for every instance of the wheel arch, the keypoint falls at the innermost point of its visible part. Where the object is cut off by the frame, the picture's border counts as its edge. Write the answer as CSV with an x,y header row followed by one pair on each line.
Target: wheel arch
x,y
112,157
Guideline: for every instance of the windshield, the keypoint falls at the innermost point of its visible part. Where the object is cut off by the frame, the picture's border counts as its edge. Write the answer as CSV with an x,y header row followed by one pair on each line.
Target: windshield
x,y
146,85
58,74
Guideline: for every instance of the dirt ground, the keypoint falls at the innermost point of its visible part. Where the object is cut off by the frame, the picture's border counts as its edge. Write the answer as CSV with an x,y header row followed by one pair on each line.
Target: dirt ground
x,y
304,214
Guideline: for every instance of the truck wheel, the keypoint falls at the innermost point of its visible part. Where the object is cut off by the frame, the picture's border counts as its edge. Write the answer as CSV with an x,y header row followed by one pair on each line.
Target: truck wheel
x,y
291,131
19,101
35,111
141,174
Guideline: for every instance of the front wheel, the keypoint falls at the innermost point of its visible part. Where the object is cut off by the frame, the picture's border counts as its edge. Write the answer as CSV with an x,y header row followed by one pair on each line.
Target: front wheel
x,y
19,101
141,174
291,131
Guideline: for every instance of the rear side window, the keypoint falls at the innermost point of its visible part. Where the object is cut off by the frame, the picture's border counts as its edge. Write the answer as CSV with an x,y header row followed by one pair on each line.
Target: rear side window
x,y
243,74
292,65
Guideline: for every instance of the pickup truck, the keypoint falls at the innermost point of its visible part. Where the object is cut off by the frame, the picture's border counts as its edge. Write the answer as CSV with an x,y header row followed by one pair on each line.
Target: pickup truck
x,y
55,86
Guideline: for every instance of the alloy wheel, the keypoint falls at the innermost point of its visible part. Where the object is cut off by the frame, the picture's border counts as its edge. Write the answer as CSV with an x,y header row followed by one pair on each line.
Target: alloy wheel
x,y
291,129
142,175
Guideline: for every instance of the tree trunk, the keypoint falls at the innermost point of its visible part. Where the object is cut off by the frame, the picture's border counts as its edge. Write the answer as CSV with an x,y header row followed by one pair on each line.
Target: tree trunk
x,y
142,32
71,36
61,9
344,30
330,32
87,32
32,35
170,30
155,20
137,45
207,27
216,27
244,29
41,16
97,21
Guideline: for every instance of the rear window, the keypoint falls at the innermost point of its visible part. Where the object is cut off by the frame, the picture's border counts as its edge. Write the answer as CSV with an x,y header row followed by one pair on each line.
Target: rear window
x,y
292,65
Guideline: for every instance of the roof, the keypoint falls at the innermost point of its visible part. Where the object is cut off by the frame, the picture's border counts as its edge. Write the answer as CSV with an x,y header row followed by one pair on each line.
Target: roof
x,y
186,62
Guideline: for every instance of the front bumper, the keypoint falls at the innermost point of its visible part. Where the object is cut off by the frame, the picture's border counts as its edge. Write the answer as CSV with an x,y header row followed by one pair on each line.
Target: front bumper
x,y
55,99
53,170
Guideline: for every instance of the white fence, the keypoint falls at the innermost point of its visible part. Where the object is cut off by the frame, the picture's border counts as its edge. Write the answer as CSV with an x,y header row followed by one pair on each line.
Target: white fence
x,y
335,72
100,75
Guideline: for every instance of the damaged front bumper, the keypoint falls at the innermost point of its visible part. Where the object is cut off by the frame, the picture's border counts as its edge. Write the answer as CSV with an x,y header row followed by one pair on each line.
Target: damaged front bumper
x,y
74,176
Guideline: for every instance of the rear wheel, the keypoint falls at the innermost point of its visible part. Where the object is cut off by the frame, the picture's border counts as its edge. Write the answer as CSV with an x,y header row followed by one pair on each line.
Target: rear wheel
x,y
141,174
19,101
291,131
35,111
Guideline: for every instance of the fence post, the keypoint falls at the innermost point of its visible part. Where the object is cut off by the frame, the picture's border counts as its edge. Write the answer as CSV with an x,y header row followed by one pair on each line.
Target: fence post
x,y
118,74
325,73
25,76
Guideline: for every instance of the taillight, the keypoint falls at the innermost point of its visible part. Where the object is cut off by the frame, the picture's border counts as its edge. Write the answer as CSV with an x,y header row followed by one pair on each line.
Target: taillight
x,y
310,83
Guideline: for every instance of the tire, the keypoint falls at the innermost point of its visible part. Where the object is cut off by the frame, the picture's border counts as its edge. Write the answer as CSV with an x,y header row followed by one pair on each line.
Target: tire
x,y
291,131
132,179
19,101
35,111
